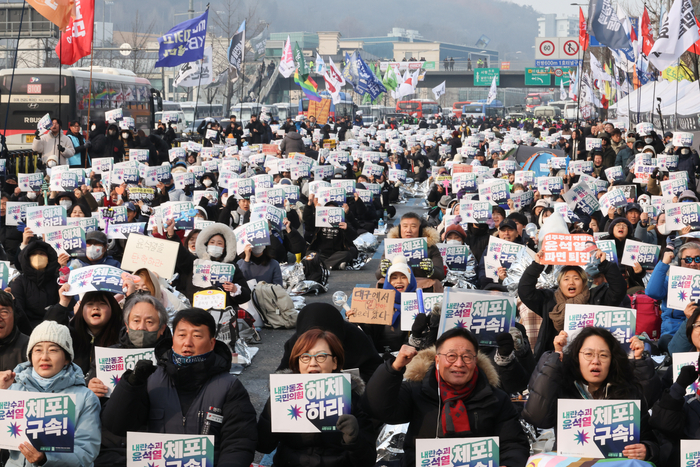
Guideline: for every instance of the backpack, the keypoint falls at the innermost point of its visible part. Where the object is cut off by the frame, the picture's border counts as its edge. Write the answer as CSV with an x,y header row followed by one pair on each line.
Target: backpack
x,y
275,306
315,269
648,314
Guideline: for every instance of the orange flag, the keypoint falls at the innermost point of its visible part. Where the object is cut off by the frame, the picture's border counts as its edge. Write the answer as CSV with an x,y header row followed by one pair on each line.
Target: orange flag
x,y
57,11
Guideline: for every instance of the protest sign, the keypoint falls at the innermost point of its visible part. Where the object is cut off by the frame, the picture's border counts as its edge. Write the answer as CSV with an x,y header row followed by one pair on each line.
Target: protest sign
x,y
683,287
42,218
690,452
557,163
206,273
46,421
329,216
273,196
397,175
254,233
681,359
183,179
681,215
567,249
182,212
621,322
521,199
667,162
454,256
122,231
414,249
508,166
95,278
673,187
642,172
242,188
643,253
210,299
372,306
327,195
4,274
464,181
64,181
500,254
308,403
69,240
141,155
550,185
322,172
608,247
594,143
581,198
102,164
273,215
526,177
410,307
111,363
597,428
581,167
495,191
16,212
30,182
457,452
614,174
614,198
156,254
372,170
262,181
170,450
476,212
485,313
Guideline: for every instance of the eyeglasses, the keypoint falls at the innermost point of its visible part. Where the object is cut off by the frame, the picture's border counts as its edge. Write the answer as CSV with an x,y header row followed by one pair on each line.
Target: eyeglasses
x,y
452,357
319,357
588,355
690,259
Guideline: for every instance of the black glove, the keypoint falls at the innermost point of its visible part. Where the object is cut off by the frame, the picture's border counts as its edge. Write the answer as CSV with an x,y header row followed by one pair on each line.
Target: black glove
x,y
88,144
426,264
384,266
655,173
231,202
142,370
61,148
420,325
37,134
506,345
347,424
687,376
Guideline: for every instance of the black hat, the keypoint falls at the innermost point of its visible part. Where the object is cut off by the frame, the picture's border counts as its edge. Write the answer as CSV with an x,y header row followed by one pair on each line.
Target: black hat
x,y
508,224
96,236
633,206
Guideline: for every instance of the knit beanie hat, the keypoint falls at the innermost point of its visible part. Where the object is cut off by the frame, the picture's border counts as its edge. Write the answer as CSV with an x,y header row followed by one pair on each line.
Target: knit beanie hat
x,y
51,331
399,264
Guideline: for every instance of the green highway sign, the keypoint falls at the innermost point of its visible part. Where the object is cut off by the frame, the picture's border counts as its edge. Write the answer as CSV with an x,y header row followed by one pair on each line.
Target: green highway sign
x,y
537,77
566,78
484,76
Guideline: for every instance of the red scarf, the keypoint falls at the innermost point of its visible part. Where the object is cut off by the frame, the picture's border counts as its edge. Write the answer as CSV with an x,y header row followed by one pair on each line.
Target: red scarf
x,y
454,417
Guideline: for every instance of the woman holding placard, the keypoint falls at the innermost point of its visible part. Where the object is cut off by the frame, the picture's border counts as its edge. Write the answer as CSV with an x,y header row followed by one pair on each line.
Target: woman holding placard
x,y
50,369
573,288
352,444
593,366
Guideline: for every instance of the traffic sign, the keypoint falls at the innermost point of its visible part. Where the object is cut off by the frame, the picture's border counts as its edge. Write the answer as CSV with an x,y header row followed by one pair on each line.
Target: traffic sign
x,y
558,72
505,65
570,48
484,76
566,77
557,51
537,77
547,48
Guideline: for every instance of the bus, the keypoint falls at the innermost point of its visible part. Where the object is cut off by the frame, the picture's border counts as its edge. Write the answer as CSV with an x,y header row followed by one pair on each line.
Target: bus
x,y
536,99
171,106
326,108
204,110
244,111
38,91
418,107
480,109
284,110
457,108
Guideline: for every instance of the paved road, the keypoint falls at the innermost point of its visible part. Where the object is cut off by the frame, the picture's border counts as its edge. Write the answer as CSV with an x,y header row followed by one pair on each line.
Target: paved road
x,y
256,377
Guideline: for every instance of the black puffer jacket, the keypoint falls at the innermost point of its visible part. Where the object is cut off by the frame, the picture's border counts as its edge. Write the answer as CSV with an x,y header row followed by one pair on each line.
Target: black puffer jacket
x,y
34,290
416,401
549,384
98,139
325,449
234,440
114,147
542,301
13,349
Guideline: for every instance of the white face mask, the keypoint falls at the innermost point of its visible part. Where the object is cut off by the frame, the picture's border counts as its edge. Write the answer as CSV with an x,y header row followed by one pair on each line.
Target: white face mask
x,y
31,195
65,204
662,229
93,252
206,182
648,140
215,251
51,164
125,135
92,128
258,250
685,151
453,242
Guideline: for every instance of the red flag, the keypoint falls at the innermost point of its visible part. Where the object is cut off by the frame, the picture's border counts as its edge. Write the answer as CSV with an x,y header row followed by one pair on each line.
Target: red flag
x,y
76,39
582,34
695,48
647,34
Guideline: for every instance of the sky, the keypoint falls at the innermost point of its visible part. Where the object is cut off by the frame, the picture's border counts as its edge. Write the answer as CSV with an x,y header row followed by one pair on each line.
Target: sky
x,y
562,7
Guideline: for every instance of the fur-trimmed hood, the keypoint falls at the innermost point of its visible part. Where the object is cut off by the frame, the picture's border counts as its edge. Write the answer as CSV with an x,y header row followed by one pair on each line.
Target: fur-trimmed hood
x,y
428,232
421,363
208,232
357,384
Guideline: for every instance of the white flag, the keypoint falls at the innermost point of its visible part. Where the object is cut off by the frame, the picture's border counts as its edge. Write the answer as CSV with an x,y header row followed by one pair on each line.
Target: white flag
x,y
189,73
407,86
597,70
439,90
573,85
286,66
493,92
562,91
334,80
678,33
320,64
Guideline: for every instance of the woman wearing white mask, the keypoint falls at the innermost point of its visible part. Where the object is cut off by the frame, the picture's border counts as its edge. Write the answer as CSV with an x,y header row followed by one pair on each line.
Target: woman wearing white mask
x,y
96,251
257,263
214,243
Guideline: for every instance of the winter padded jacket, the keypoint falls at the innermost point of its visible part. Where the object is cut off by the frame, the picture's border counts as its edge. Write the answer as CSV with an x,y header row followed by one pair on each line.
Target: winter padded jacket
x,y
13,349
87,416
416,401
177,400
657,288
292,142
433,239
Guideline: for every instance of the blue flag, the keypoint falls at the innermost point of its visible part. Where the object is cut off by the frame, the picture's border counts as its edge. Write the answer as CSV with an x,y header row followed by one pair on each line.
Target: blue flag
x,y
184,43
368,83
606,26
350,72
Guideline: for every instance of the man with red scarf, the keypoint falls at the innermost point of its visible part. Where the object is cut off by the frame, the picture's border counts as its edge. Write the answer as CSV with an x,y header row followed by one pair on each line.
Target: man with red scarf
x,y
451,383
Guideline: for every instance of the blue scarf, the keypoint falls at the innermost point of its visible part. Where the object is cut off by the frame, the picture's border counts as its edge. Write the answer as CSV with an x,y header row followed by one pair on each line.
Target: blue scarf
x,y
45,382
181,360
412,286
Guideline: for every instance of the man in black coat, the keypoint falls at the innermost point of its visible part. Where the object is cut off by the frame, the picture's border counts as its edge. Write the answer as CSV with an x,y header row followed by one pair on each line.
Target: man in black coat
x,y
234,129
98,139
189,387
255,129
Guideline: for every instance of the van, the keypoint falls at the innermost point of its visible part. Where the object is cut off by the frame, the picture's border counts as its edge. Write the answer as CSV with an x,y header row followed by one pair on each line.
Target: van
x,y
177,117
547,111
